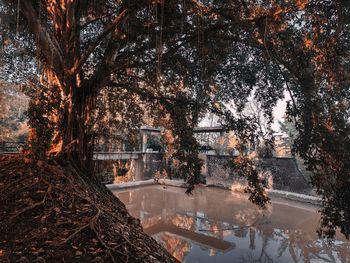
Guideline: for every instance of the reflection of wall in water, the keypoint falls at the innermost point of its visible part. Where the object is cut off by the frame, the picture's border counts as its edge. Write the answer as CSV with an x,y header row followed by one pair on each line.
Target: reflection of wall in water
x,y
260,236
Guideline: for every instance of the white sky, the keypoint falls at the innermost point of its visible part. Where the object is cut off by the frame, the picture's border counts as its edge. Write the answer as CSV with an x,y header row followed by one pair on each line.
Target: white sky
x,y
278,113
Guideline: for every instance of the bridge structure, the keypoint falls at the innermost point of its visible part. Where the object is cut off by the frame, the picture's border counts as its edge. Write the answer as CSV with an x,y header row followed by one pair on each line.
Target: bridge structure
x,y
147,131
10,148
103,156
219,129
7,148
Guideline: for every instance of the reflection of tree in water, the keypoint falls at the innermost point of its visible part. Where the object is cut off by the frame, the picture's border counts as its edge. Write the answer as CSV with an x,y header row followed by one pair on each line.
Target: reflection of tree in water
x,y
150,221
252,238
176,246
304,248
182,221
267,242
251,259
263,256
301,247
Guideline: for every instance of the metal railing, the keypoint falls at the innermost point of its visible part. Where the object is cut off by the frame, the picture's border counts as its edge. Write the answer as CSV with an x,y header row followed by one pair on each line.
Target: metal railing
x,y
10,147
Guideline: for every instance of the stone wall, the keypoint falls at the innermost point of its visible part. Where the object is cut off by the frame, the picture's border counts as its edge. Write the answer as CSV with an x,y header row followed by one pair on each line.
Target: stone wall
x,y
142,168
105,170
284,173
152,162
217,167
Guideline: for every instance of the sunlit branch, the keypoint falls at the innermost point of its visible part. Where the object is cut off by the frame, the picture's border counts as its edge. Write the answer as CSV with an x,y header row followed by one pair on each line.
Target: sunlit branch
x,y
47,44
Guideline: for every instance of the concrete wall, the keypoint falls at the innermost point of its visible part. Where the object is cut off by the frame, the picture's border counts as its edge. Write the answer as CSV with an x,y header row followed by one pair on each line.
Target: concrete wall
x,y
284,173
142,168
152,162
217,167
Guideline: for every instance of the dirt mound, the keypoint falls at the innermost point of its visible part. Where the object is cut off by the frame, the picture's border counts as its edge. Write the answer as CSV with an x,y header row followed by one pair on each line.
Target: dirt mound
x,y
50,213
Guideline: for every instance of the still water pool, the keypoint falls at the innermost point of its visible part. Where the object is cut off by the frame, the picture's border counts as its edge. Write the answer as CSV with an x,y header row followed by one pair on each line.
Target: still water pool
x,y
215,225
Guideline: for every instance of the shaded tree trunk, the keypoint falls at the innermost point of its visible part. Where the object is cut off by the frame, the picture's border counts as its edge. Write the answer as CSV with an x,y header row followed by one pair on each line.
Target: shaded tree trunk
x,y
77,140
68,125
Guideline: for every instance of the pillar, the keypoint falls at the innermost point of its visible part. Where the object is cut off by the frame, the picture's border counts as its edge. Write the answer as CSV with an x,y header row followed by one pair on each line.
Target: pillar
x,y
144,141
221,143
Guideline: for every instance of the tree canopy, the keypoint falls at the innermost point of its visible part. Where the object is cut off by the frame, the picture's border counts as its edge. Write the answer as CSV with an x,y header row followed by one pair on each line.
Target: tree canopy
x,y
175,61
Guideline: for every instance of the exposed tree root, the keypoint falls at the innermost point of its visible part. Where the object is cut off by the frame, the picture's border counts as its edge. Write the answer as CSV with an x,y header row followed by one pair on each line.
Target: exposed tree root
x,y
50,213
33,206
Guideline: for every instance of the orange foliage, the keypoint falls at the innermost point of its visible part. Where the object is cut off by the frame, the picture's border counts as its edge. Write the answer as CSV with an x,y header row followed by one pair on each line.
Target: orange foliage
x,y
308,43
183,222
55,148
301,4
176,246
32,134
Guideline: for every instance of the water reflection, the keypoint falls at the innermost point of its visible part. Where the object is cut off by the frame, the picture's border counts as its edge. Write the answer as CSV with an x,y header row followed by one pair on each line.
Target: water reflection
x,y
213,225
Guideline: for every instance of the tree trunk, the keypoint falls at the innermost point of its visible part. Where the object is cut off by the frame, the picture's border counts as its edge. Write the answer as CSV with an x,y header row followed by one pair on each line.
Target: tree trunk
x,y
77,140
61,123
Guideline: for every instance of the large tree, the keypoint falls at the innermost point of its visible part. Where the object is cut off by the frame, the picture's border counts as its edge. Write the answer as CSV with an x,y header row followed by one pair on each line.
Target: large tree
x,y
94,56
85,51
185,58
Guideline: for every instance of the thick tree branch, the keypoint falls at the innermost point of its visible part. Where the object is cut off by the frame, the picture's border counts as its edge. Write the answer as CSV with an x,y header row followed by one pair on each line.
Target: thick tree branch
x,y
147,94
46,43
77,66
